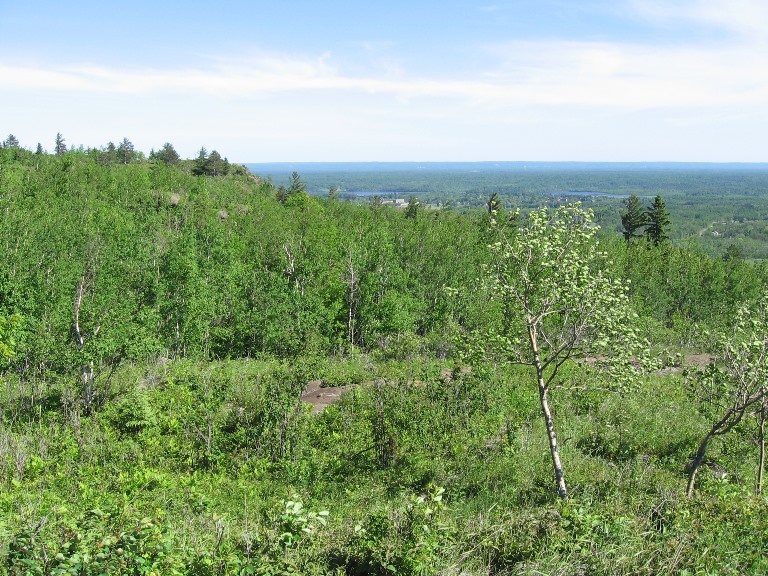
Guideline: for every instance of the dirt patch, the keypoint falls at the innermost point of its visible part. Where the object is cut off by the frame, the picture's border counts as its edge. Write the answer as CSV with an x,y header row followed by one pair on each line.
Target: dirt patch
x,y
697,360
320,398
689,360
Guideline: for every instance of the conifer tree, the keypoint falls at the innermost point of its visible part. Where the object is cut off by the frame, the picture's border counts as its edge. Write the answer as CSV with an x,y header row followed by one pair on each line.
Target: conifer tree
x,y
125,151
201,165
167,154
61,146
633,218
412,210
216,166
658,222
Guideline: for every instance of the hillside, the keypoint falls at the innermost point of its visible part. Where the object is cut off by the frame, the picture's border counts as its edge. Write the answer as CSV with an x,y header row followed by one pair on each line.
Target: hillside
x,y
168,315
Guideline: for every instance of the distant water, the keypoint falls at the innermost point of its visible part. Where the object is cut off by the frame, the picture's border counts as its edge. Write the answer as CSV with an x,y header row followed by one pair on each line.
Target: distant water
x,y
581,193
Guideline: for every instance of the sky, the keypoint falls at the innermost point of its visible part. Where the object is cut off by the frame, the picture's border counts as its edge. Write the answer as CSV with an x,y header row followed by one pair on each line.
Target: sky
x,y
402,80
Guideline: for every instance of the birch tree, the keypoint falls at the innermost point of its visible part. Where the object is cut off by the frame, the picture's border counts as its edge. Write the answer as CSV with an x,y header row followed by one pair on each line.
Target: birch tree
x,y
736,382
561,305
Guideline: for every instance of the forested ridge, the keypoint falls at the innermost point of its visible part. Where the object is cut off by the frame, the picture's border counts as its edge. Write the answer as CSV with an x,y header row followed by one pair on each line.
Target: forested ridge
x,y
160,319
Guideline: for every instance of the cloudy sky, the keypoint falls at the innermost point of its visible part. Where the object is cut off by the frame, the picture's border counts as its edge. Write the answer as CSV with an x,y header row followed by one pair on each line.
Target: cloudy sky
x,y
401,80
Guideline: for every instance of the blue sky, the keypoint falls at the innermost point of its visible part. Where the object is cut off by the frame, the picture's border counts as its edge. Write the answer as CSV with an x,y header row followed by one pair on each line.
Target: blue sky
x,y
448,80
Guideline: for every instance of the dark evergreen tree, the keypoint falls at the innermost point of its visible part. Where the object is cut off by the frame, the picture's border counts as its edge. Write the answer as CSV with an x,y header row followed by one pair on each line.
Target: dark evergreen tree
x,y
216,165
657,230
412,210
167,154
733,253
125,152
296,186
110,153
11,141
633,218
282,194
201,165
39,149
61,146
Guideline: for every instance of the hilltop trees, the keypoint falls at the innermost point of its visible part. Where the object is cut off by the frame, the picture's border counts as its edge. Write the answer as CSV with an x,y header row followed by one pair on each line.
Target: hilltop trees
x,y
560,304
11,142
125,151
210,164
655,219
167,154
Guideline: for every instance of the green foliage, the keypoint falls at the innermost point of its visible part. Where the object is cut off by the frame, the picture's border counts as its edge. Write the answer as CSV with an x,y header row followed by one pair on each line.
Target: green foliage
x,y
167,154
561,302
633,218
131,413
92,543
61,147
736,380
408,540
8,328
345,372
657,217
206,308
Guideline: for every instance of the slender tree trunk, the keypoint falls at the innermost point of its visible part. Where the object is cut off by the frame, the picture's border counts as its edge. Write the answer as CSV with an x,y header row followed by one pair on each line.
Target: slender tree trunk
x,y
761,447
697,462
88,392
554,449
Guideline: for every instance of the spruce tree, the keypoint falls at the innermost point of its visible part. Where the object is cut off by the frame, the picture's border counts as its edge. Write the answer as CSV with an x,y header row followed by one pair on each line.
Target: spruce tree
x,y
167,155
633,218
125,152
412,210
61,146
658,222
201,165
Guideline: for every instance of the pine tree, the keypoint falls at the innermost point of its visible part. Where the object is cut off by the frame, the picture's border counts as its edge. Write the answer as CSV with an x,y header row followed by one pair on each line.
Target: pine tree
x,y
61,146
201,165
215,164
125,151
412,210
658,222
296,195
633,218
167,154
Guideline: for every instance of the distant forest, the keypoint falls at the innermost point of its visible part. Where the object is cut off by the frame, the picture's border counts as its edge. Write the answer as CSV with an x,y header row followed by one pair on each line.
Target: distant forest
x,y
713,206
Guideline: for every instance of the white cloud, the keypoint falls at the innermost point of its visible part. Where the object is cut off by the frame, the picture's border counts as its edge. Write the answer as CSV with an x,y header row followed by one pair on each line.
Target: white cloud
x,y
547,73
